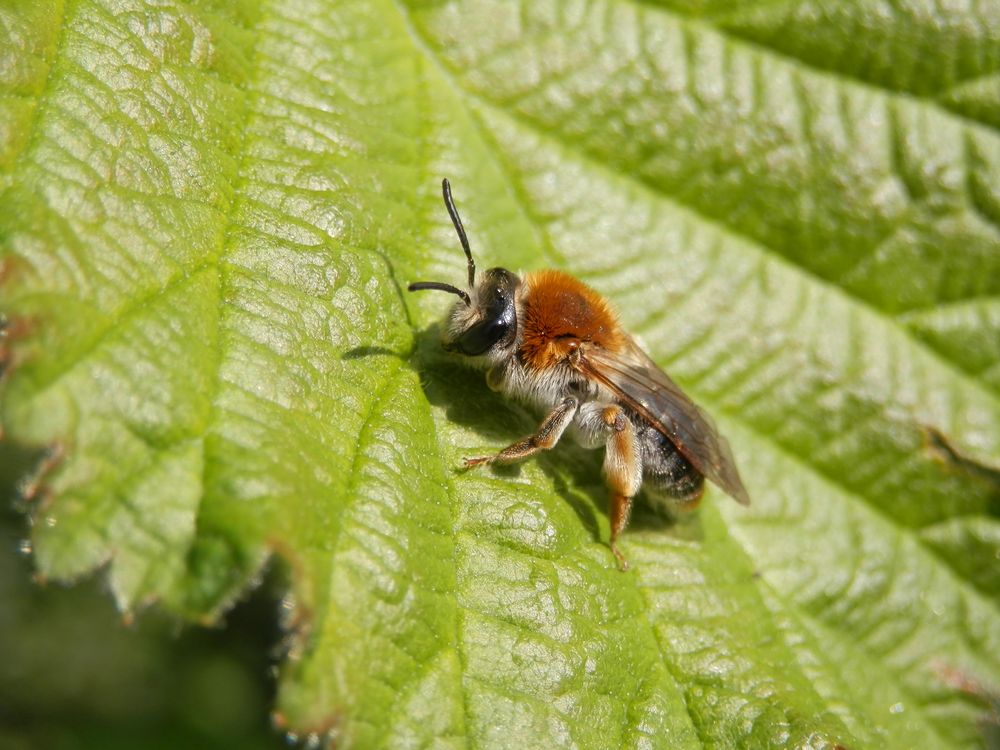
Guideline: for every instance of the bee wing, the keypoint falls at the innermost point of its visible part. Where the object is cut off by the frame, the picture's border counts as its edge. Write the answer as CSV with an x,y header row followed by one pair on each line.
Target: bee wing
x,y
639,382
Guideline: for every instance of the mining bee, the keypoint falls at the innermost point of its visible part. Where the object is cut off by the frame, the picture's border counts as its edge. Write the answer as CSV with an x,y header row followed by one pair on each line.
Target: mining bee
x,y
549,339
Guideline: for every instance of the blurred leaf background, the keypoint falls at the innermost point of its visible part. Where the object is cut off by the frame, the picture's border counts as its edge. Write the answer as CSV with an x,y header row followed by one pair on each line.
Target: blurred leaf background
x,y
74,675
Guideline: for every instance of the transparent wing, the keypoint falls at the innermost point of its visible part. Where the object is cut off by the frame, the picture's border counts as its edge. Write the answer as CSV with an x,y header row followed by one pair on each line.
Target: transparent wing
x,y
639,382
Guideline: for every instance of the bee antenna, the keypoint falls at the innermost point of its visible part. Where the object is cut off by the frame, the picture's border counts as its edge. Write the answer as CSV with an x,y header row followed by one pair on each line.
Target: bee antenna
x,y
457,221
417,286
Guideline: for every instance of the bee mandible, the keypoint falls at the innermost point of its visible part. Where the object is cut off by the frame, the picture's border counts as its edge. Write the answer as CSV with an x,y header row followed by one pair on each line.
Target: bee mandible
x,y
548,339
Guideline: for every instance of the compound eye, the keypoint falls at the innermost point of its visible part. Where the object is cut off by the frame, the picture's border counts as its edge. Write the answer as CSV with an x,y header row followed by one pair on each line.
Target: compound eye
x,y
482,336
497,315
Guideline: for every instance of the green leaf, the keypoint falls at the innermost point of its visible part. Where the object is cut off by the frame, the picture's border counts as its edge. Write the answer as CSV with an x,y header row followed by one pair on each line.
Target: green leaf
x,y
209,211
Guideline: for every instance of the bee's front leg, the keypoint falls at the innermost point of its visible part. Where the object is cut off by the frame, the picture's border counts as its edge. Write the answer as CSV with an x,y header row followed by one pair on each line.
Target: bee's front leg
x,y
546,436
623,473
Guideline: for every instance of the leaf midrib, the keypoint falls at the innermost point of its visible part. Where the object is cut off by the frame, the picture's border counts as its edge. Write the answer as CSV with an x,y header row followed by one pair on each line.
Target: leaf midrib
x,y
455,531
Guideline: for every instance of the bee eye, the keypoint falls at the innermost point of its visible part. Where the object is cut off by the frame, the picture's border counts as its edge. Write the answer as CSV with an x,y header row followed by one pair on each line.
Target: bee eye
x,y
478,339
497,316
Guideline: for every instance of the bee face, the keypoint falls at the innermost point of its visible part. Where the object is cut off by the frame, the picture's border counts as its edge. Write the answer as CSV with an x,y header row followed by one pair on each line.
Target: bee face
x,y
484,322
489,323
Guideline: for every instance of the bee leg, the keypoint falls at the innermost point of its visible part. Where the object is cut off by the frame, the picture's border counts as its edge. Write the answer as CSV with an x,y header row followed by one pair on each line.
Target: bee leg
x,y
623,473
546,436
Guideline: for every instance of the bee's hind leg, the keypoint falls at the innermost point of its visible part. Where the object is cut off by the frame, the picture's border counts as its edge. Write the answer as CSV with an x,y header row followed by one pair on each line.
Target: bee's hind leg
x,y
545,437
623,473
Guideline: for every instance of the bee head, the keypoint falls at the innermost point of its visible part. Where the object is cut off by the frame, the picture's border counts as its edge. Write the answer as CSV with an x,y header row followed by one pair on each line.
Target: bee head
x,y
485,316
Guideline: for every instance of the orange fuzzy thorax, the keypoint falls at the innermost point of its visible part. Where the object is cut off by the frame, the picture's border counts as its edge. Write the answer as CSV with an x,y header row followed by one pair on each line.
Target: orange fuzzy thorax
x,y
560,313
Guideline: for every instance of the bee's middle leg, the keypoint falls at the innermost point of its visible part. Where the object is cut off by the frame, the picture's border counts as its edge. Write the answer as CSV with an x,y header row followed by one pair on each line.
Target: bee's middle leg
x,y
546,436
622,471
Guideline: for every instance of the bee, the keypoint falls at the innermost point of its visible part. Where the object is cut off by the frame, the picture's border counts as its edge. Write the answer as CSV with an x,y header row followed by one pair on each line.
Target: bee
x,y
548,339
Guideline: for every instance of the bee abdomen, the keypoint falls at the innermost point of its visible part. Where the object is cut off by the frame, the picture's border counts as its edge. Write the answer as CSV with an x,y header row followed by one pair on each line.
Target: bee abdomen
x,y
665,471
